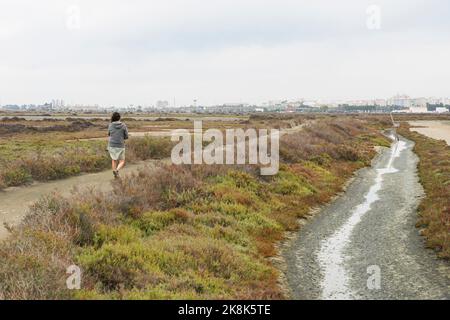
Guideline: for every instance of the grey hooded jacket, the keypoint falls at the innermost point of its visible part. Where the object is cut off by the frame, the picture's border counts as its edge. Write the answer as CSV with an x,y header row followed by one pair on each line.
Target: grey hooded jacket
x,y
118,133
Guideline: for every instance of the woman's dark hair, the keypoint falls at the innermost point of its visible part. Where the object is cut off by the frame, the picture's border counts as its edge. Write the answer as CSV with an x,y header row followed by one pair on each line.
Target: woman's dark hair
x,y
115,117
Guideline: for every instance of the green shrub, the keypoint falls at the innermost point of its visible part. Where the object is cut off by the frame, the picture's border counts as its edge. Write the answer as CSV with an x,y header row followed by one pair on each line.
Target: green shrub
x,y
119,265
16,176
150,222
287,183
123,234
150,148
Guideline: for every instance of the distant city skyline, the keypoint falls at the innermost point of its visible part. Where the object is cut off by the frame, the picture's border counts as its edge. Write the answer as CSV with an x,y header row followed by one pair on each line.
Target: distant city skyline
x,y
111,52
399,100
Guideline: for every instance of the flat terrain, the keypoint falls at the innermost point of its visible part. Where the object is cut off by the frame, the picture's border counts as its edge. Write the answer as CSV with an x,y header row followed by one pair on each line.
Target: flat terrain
x,y
15,201
59,146
439,130
371,224
229,218
135,117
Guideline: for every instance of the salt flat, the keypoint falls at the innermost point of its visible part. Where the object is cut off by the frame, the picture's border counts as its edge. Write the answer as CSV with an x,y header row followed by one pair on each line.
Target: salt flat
x,y
434,129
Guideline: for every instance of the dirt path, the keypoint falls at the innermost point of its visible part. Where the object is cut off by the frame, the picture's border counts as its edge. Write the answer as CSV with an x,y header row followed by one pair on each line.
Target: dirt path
x,y
370,228
14,202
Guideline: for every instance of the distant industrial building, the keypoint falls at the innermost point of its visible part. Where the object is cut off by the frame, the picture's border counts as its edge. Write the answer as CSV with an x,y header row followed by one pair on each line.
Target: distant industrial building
x,y
57,103
161,104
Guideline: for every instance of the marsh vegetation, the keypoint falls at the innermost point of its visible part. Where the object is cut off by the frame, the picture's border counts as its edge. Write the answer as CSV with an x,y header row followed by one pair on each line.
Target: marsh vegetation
x,y
183,231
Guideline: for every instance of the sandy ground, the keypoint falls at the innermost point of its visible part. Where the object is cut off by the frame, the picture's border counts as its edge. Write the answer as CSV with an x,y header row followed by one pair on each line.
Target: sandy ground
x,y
368,231
439,130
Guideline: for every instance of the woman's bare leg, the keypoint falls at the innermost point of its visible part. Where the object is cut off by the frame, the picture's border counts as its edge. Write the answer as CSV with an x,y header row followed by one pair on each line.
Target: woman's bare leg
x,y
121,165
113,163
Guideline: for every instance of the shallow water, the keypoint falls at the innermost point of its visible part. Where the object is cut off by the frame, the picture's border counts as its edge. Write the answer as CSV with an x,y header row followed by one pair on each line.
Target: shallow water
x,y
331,255
439,130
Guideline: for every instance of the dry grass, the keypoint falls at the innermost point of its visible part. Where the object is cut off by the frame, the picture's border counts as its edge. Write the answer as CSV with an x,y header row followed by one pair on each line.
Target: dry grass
x,y
43,161
331,140
434,173
41,150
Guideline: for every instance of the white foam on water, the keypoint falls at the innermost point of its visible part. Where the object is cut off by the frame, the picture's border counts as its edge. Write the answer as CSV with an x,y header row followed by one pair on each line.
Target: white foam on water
x,y
335,282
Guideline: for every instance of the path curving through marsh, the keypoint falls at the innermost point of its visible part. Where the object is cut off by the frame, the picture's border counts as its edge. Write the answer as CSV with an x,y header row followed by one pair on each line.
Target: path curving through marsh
x,y
15,201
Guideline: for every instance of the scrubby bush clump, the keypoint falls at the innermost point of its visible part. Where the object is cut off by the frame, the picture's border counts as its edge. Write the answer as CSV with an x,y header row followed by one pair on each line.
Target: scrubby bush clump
x,y
329,140
149,148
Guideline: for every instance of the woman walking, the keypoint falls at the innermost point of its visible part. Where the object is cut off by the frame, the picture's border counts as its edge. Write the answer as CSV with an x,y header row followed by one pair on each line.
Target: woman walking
x,y
118,133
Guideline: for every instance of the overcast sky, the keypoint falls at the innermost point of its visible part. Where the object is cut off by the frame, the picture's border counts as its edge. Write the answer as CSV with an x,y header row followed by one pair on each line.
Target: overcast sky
x,y
112,52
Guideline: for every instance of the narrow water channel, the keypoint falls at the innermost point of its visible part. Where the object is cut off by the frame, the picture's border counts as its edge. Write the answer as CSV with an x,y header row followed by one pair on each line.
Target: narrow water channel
x,y
370,227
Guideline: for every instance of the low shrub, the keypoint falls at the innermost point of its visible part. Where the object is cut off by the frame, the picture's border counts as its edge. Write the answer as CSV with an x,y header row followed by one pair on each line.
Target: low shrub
x,y
149,148
338,140
151,189
15,176
2,183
